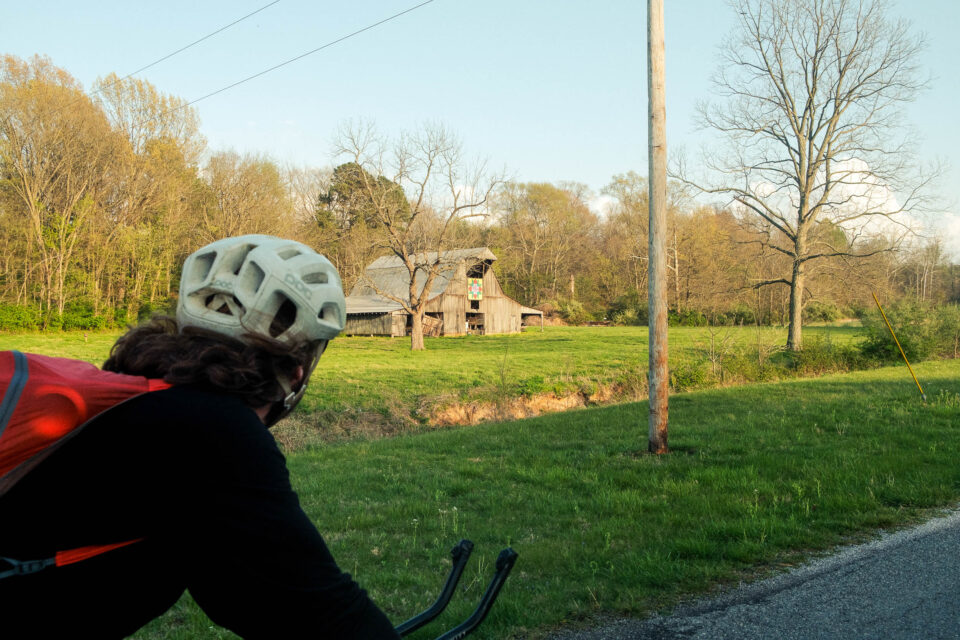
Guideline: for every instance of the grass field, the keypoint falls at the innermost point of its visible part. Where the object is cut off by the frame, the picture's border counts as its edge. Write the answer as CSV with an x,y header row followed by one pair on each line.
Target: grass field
x,y
369,385
758,473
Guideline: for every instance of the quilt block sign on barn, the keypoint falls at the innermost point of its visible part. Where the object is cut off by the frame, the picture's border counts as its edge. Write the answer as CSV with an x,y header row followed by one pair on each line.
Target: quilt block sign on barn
x,y
474,288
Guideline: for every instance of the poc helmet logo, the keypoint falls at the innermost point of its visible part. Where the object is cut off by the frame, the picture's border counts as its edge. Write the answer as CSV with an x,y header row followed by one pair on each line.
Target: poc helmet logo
x,y
298,284
222,284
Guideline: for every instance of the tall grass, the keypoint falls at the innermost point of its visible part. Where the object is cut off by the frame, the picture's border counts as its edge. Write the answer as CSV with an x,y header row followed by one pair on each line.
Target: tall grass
x,y
757,475
377,386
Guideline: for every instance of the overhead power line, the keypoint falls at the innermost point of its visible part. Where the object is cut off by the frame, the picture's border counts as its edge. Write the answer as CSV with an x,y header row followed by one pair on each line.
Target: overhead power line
x,y
158,61
294,59
181,49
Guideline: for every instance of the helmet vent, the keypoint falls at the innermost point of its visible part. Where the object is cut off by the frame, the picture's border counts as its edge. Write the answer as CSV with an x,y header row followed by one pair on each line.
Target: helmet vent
x,y
286,254
221,303
316,278
202,265
285,317
252,277
328,313
233,258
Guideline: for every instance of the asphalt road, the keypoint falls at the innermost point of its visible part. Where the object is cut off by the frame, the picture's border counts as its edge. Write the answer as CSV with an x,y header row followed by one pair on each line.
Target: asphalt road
x,y
905,585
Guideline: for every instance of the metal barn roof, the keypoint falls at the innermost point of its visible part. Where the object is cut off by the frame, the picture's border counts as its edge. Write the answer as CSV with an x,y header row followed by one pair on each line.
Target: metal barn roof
x,y
389,275
452,257
371,304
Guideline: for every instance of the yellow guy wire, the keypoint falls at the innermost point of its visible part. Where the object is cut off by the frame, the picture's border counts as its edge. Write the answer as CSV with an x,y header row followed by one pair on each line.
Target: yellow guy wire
x,y
922,394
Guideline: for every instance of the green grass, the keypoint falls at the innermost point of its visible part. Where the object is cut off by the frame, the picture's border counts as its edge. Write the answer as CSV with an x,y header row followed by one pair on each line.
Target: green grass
x,y
360,370
90,346
380,381
757,474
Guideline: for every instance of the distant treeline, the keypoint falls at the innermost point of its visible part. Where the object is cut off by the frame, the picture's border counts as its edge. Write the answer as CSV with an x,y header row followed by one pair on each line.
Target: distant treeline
x,y
103,193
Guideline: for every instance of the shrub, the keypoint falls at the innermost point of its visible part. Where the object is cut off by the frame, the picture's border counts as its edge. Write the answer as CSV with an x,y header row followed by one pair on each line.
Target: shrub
x,y
76,316
687,319
81,316
743,366
17,318
120,317
630,308
948,331
687,375
627,317
821,355
167,306
721,320
52,321
915,325
816,311
742,314
573,312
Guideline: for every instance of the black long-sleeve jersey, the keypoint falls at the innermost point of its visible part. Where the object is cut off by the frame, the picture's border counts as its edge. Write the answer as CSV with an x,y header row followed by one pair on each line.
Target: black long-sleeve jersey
x,y
200,479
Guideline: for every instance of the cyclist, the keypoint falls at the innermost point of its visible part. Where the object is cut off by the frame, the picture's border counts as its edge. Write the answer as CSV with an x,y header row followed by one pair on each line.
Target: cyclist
x,y
187,481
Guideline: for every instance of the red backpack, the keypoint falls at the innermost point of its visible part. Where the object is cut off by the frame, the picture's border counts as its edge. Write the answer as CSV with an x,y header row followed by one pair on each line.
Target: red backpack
x,y
45,401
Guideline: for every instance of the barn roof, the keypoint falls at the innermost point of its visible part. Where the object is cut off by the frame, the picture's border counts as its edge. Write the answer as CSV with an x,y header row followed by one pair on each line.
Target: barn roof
x,y
452,257
389,275
371,304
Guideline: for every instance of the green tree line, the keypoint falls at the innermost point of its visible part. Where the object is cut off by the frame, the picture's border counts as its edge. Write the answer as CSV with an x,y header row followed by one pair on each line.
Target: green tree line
x,y
104,192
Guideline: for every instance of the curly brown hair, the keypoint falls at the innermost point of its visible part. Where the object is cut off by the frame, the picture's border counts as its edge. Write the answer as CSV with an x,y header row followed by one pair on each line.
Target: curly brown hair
x,y
248,368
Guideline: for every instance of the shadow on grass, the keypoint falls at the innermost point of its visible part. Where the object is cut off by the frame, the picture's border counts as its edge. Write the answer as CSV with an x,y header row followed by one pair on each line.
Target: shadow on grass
x,y
760,475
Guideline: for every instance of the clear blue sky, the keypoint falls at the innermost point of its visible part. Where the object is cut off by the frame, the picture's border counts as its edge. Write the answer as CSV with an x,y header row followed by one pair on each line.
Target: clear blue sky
x,y
551,89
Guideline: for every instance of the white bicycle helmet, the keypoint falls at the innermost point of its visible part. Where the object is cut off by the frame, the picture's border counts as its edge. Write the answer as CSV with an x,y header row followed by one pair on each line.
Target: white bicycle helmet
x,y
265,286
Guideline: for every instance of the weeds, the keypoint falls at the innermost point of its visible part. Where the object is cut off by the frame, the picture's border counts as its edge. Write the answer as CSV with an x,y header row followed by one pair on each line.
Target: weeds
x,y
719,347
947,399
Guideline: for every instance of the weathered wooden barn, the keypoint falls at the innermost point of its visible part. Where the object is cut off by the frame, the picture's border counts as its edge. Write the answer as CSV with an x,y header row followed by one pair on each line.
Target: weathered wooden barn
x,y
465,298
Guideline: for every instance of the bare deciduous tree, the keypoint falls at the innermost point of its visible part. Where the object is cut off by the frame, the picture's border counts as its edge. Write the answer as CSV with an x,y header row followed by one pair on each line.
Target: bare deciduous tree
x,y
438,188
810,119
248,196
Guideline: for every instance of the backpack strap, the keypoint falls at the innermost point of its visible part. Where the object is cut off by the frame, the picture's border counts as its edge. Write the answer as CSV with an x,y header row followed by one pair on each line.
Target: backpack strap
x,y
25,567
61,559
17,382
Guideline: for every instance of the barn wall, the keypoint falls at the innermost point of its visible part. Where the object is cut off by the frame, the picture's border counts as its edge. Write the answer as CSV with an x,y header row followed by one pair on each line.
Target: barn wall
x,y
490,283
454,313
452,303
369,325
500,314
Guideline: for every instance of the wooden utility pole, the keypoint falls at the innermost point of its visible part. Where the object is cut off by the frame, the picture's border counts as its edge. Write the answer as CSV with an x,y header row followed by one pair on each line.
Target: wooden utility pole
x,y
659,377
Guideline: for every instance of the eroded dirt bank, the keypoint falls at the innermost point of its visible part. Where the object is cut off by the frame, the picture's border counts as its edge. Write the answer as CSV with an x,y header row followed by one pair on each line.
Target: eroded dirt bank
x,y
303,429
521,407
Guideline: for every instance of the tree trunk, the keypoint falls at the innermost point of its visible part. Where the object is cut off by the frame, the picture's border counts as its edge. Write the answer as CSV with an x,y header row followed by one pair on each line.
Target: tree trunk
x,y
794,340
48,294
416,331
676,270
61,293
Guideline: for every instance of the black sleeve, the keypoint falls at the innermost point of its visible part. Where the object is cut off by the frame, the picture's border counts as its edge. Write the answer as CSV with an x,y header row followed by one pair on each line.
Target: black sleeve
x,y
254,562
200,478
